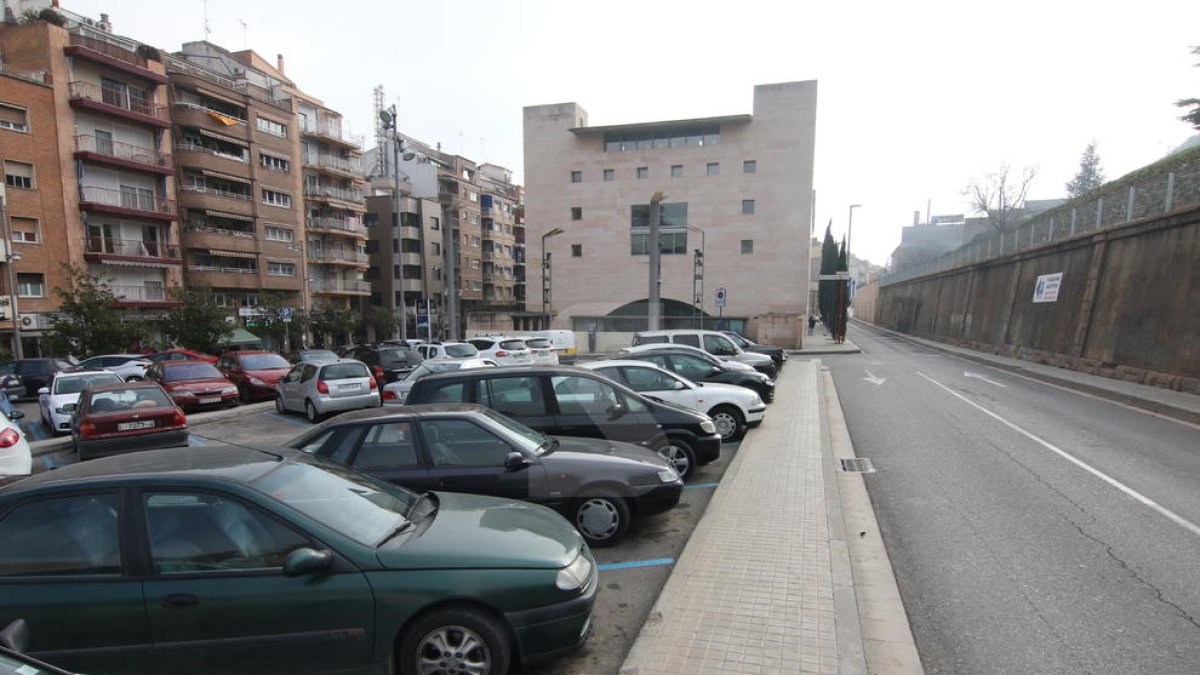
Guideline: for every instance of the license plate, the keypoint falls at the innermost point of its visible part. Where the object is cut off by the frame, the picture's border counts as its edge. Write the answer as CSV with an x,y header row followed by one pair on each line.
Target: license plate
x,y
128,426
210,399
349,387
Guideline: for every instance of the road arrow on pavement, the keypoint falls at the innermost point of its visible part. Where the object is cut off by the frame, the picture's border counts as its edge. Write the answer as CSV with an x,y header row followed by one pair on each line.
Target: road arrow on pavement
x,y
874,380
985,379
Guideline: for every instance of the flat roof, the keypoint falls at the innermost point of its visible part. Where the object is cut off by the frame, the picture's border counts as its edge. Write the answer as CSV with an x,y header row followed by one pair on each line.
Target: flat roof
x,y
654,126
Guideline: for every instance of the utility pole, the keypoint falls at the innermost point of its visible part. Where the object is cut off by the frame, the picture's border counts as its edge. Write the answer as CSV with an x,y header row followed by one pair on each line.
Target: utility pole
x,y
655,250
388,117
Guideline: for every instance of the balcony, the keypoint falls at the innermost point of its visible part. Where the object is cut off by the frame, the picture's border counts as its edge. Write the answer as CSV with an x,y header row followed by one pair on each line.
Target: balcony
x,y
142,297
126,203
337,226
351,287
107,151
227,194
119,103
350,168
132,252
332,133
115,56
334,194
338,257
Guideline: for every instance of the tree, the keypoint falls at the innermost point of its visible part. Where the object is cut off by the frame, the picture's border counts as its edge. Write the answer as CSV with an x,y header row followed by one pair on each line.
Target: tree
x,y
384,320
199,323
1192,117
827,290
333,325
1090,175
85,324
1000,195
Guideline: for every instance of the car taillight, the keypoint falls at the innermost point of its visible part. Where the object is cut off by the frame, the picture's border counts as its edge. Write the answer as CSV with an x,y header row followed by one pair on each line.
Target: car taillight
x,y
324,388
180,419
377,370
375,385
9,437
501,354
87,429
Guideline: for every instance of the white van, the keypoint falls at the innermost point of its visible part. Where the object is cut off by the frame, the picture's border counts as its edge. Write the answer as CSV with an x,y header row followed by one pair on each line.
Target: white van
x,y
563,341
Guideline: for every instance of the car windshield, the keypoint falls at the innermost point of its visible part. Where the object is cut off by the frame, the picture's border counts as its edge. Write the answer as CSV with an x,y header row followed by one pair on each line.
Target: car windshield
x,y
125,399
366,510
738,340
513,345
264,362
318,355
397,358
539,343
530,439
190,371
461,350
75,384
343,371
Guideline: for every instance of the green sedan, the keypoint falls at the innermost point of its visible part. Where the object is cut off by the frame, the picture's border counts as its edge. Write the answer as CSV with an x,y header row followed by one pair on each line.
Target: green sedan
x,y
231,560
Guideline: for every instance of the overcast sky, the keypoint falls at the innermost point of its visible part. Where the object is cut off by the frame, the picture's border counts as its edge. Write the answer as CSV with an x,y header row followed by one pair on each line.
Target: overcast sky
x,y
915,99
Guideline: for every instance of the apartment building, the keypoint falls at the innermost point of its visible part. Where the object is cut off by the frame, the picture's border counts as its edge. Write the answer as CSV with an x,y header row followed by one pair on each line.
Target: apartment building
x,y
738,191
86,144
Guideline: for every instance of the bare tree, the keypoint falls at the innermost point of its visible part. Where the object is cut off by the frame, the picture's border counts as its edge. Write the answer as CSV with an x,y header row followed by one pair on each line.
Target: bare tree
x,y
1000,195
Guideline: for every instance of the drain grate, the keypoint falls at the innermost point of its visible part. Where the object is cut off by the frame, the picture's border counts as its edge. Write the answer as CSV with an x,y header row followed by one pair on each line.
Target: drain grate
x,y
857,465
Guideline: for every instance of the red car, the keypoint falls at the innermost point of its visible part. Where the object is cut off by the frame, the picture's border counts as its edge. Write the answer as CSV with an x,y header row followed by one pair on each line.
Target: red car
x,y
180,355
194,385
255,372
117,417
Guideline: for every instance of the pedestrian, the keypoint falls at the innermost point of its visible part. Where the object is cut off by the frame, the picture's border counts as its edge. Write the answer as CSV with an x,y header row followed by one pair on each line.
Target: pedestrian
x,y
812,323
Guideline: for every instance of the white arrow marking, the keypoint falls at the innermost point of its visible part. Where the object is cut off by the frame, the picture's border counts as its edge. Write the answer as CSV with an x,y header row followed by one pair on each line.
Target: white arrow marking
x,y
985,379
874,380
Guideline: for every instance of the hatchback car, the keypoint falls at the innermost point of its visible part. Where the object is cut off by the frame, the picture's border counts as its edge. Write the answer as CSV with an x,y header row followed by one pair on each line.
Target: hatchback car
x,y
254,372
507,351
732,408
713,342
194,385
122,417
16,457
395,393
301,355
447,350
56,402
598,485
542,350
228,560
388,363
746,344
322,388
699,366
128,366
34,373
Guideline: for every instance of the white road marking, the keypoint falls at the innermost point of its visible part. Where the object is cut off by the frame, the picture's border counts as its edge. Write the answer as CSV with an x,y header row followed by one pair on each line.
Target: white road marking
x,y
874,380
967,373
1153,505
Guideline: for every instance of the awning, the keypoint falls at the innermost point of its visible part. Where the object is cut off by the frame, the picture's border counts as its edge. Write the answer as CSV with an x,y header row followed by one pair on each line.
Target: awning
x,y
225,176
223,137
232,254
239,336
138,263
231,216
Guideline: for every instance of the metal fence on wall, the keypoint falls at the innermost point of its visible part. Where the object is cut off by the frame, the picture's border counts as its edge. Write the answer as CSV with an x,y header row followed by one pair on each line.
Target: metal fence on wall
x,y
1153,197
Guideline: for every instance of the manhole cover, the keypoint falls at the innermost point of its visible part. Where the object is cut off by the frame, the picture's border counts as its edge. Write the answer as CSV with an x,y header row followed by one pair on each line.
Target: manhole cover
x,y
857,465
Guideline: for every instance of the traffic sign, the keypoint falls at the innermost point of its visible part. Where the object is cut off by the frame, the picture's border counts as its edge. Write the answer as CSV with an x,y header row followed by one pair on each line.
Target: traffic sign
x,y
721,295
285,314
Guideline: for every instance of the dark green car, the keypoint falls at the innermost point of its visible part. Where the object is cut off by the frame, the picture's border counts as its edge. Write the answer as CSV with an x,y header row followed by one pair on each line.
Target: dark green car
x,y
230,560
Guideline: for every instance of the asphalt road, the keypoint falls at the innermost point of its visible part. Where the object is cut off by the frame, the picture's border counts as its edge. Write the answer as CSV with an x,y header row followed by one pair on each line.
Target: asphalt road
x,y
1031,529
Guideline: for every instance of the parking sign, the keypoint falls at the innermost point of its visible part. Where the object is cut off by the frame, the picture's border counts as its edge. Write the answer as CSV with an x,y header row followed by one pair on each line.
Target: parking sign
x,y
720,297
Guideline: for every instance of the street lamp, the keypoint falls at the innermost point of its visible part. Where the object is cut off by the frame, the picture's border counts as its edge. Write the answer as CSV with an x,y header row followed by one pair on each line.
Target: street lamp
x,y
654,308
546,273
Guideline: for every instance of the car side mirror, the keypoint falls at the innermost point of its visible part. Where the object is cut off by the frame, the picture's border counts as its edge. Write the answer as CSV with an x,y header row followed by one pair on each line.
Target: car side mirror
x,y
15,636
617,411
515,461
16,414
306,561
714,370
43,390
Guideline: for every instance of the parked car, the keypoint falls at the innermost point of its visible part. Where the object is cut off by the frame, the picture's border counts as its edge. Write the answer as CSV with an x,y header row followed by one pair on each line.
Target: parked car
x,y
118,417
395,393
711,341
563,341
698,365
16,457
505,350
57,401
254,372
542,350
12,385
180,355
321,388
34,373
597,485
732,408
128,366
229,560
301,355
777,354
388,363
447,350
14,639
194,385
570,401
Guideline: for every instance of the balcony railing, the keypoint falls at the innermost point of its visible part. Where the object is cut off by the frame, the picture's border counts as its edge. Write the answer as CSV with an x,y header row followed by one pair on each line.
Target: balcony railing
x,y
192,147
337,256
205,109
206,227
333,131
118,98
179,65
118,150
132,247
139,293
125,199
339,285
214,191
340,194
339,224
110,50
349,166
224,270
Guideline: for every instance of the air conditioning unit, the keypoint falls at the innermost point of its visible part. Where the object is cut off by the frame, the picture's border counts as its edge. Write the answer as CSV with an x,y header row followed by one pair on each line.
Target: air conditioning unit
x,y
29,321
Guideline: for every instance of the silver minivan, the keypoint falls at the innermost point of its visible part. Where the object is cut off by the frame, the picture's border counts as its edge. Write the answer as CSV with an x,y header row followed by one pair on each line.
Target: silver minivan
x,y
711,341
321,388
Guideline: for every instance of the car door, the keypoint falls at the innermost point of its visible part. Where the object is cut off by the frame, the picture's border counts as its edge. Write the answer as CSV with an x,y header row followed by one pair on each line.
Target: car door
x,y
64,570
218,602
388,450
521,397
653,382
589,406
465,456
288,384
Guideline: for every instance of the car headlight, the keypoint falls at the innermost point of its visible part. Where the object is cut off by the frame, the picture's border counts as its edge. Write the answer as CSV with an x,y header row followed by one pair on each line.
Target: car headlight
x,y
668,475
757,401
229,390
574,576
708,427
258,383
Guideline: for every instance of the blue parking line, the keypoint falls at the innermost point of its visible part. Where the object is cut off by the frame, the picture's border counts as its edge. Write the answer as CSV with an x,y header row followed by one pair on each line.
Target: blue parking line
x,y
289,420
193,439
636,563
700,485
35,430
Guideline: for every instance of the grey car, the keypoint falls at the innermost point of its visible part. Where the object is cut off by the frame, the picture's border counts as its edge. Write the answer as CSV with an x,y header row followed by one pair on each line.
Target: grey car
x,y
322,388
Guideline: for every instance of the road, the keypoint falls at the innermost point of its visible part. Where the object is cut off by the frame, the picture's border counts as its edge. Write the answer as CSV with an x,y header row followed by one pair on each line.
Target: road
x,y
1032,529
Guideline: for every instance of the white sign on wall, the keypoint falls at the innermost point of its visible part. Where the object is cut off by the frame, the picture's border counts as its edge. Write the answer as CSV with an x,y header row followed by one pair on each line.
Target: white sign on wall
x,y
1047,287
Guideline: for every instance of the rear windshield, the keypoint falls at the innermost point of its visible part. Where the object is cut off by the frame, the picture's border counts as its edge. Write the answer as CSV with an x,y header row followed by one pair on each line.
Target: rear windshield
x,y
343,371
648,339
539,343
74,385
264,362
318,355
395,358
513,344
126,399
191,371
461,350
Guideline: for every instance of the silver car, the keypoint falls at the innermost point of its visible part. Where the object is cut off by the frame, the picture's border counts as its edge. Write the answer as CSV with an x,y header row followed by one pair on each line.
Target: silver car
x,y
503,349
543,351
395,393
57,401
321,388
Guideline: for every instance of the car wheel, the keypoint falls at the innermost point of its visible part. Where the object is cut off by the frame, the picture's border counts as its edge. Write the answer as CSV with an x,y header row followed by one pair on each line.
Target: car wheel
x,y
731,424
279,407
310,411
680,455
602,520
455,640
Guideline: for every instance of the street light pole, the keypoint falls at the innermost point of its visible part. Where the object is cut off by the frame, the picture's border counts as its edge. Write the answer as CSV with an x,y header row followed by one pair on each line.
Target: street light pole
x,y
546,274
698,279
10,258
655,250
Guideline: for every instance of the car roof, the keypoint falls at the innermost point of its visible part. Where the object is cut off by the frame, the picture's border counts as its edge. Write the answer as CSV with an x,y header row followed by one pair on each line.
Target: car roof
x,y
82,371
111,386
592,365
184,362
506,371
131,357
416,409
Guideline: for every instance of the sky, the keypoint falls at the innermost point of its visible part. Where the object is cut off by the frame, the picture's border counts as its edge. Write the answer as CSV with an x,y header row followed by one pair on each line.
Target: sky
x,y
915,99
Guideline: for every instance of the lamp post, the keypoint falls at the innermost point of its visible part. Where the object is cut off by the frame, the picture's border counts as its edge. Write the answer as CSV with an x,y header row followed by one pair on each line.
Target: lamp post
x,y
388,118
698,279
844,284
546,274
654,248
11,257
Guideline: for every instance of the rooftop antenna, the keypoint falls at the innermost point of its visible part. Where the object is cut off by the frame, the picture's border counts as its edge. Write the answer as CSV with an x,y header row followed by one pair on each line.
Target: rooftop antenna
x,y
245,43
381,139
207,30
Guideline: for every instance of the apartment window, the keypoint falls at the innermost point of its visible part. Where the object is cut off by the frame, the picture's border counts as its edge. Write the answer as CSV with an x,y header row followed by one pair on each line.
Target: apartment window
x,y
272,127
476,285
474,263
30,285
24,230
576,213
747,246
474,219
437,248
18,175
473,196
395,246
272,163
643,173
13,118
221,299
576,250
280,199
748,206
437,273
677,171
281,234
712,169
750,166
435,223
576,176
474,241
610,175
670,243
281,269
395,271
